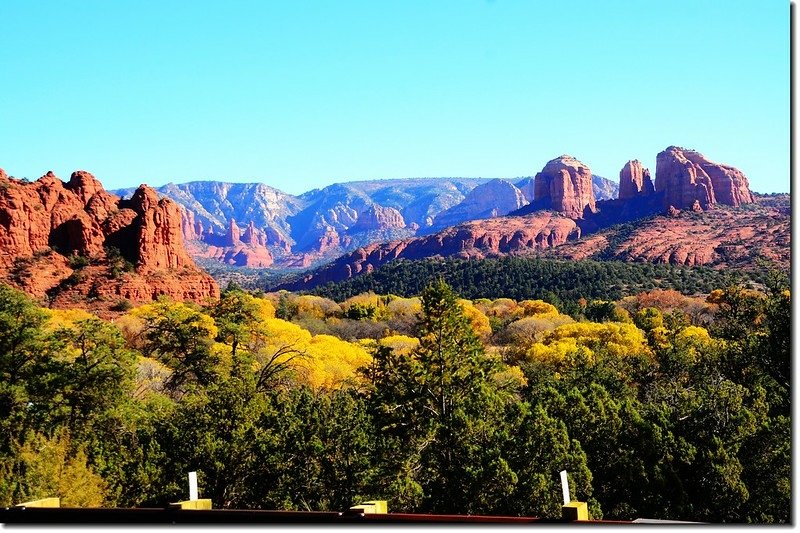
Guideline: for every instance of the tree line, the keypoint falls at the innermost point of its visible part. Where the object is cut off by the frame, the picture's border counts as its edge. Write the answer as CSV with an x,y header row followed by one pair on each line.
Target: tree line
x,y
559,282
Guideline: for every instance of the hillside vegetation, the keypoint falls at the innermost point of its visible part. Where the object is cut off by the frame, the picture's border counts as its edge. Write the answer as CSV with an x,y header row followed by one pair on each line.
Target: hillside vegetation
x,y
561,282
658,404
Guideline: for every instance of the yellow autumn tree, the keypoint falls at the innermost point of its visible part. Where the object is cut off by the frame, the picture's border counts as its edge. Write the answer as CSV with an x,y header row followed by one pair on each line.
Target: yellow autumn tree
x,y
400,344
530,329
64,318
613,338
478,321
537,307
310,306
279,346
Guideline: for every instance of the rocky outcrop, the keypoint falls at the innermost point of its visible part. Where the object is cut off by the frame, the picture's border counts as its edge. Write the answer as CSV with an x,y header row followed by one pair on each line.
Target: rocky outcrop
x,y
634,181
493,199
730,184
158,233
253,236
565,185
241,255
378,218
686,176
234,234
45,222
478,239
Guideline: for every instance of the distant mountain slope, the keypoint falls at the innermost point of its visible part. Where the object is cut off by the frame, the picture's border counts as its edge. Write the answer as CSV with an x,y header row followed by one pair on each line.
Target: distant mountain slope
x,y
256,225
604,189
720,237
297,231
215,203
488,200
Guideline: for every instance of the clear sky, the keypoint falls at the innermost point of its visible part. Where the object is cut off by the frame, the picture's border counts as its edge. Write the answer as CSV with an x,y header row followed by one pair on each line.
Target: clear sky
x,y
301,94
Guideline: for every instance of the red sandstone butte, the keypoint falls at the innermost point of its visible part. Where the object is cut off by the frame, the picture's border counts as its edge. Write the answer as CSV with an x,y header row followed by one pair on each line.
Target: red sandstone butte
x,y
565,185
634,180
686,176
45,222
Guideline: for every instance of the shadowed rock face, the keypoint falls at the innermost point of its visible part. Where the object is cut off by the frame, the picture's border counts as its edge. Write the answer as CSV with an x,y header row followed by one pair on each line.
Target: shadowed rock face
x,y
686,176
80,218
634,181
565,185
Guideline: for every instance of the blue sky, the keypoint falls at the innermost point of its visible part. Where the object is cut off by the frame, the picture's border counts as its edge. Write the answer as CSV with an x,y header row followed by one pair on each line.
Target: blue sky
x,y
302,94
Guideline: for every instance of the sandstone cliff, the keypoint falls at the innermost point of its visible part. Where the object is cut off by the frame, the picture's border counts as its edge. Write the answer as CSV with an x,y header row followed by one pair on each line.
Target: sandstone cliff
x,y
46,225
686,176
378,218
565,185
634,181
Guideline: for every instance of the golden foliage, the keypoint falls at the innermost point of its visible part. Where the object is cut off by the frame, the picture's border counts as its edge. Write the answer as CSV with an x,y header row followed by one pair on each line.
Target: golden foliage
x,y
309,306
404,307
400,344
537,307
565,341
332,361
53,470
64,318
532,328
478,321
320,361
510,378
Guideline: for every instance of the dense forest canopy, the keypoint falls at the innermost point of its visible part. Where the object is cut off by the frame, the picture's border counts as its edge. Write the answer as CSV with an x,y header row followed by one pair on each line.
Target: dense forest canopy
x,y
556,281
658,404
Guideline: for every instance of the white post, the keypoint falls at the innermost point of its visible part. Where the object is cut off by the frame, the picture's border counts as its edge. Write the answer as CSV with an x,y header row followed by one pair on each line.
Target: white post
x,y
192,486
565,486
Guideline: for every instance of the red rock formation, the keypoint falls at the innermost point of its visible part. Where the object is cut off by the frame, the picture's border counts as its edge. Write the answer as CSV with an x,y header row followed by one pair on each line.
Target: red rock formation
x,y
233,237
686,176
634,180
730,184
81,218
477,239
189,226
242,255
274,238
253,235
159,232
719,238
565,185
328,241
